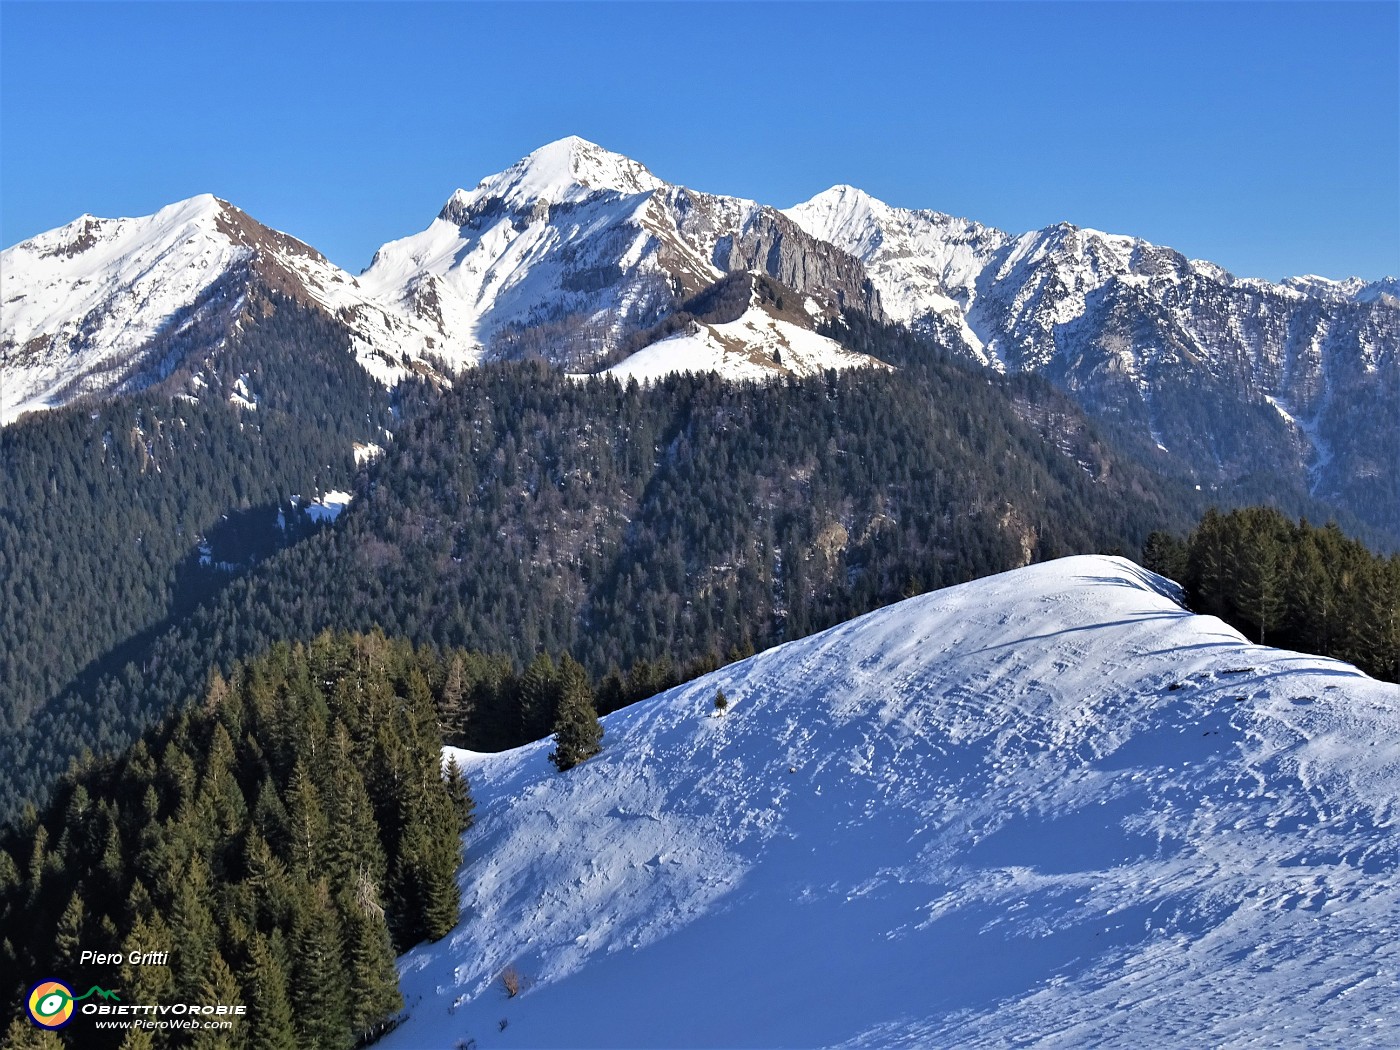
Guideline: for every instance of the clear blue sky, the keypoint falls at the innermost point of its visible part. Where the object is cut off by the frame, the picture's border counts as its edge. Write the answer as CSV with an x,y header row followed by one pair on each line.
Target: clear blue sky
x,y
1263,136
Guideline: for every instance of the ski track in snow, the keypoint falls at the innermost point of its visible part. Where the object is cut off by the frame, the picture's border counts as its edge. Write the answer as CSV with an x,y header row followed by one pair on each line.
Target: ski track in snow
x,y
1049,807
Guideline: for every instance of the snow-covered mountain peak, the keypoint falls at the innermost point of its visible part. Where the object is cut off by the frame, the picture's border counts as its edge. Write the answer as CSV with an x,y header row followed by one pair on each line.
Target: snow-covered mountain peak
x,y
847,213
87,305
1047,806
81,301
567,170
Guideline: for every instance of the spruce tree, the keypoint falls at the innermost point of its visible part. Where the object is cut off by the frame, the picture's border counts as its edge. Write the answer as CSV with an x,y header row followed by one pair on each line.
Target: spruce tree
x,y
373,991
21,1035
578,735
321,1019
220,986
265,984
459,792
539,697
68,938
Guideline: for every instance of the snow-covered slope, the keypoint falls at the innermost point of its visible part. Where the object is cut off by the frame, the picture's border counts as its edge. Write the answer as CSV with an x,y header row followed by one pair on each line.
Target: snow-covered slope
x,y
81,301
757,346
99,305
1048,807
924,263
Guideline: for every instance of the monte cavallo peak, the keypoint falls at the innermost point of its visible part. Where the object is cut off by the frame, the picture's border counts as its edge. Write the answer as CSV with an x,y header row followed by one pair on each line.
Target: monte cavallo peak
x,y
585,258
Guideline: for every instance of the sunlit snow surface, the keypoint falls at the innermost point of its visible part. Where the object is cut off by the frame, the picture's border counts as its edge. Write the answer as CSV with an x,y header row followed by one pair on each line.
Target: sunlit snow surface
x,y
329,506
754,347
1047,807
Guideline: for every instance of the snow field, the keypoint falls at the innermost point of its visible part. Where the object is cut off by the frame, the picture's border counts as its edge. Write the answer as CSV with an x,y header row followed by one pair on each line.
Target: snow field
x,y
1050,806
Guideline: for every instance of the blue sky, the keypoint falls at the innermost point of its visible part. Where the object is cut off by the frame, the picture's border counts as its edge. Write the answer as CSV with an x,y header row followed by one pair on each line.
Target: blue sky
x,y
1262,136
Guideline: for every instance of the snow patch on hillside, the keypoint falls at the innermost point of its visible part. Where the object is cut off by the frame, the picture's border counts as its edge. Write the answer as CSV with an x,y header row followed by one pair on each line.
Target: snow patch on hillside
x,y
329,506
755,347
1051,806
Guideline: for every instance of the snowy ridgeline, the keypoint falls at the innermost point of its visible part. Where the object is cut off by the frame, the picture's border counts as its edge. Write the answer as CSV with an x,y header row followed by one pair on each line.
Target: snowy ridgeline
x,y
1049,806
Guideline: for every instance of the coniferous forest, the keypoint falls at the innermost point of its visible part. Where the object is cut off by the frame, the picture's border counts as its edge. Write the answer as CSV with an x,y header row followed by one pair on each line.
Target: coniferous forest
x,y
1289,585
285,838
520,511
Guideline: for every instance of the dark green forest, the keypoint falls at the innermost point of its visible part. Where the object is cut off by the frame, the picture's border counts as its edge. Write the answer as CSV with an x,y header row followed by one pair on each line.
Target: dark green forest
x,y
103,506
283,839
523,511
1289,584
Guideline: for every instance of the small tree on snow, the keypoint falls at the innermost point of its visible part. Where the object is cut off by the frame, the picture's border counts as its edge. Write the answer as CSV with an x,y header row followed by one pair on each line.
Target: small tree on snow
x,y
721,701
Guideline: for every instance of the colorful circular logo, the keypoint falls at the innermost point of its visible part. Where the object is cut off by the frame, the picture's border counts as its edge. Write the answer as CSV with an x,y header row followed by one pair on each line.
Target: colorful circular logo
x,y
50,1004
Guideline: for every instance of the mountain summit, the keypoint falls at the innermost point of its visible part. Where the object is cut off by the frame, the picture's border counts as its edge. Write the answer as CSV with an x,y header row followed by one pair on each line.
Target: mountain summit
x,y
569,169
100,306
577,254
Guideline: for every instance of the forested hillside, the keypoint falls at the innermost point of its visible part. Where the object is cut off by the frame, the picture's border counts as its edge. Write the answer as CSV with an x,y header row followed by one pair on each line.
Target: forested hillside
x,y
103,507
281,841
525,511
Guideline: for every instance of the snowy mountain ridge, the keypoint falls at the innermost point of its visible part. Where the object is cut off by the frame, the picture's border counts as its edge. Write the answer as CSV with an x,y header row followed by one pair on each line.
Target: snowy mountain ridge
x,y
100,305
1050,806
580,256
1230,377
573,249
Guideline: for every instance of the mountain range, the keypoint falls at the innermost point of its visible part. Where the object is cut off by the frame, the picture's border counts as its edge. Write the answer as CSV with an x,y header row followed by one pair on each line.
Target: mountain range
x,y
586,259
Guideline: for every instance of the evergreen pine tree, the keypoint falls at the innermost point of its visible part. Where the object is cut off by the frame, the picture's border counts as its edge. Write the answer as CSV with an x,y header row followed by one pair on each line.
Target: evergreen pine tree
x,y
1261,583
539,697
373,993
460,793
137,1038
219,987
265,989
578,735
21,1035
68,938
192,929
306,821
321,1019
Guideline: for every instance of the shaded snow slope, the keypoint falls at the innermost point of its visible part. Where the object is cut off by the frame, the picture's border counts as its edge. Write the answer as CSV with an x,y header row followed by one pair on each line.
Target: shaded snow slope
x,y
1049,806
